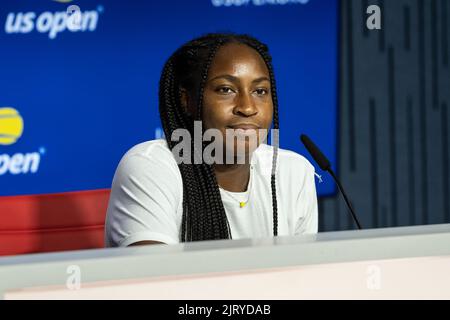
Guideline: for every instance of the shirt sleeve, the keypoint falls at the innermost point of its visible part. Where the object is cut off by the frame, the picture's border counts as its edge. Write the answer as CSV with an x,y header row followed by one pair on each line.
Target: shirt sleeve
x,y
307,210
144,198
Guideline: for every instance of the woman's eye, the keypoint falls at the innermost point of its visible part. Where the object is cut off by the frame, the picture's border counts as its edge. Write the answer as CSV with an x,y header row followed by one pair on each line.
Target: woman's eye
x,y
225,90
261,91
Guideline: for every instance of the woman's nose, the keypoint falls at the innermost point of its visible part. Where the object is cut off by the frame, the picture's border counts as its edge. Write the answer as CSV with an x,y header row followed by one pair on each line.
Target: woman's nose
x,y
245,106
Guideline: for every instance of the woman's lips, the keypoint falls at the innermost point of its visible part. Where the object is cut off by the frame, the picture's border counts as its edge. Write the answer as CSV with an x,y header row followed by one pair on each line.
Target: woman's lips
x,y
244,126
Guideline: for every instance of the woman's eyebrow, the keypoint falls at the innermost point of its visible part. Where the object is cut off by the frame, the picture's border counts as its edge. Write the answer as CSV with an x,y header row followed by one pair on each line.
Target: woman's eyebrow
x,y
231,78
260,79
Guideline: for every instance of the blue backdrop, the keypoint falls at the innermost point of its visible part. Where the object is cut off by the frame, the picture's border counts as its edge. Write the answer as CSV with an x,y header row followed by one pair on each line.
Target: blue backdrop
x,y
72,103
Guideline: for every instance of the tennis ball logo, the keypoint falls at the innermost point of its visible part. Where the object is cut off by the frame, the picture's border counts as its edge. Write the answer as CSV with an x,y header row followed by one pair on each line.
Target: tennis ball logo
x,y
11,126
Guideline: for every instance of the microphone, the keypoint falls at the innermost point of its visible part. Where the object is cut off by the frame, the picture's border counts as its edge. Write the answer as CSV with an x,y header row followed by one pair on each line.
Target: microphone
x,y
325,165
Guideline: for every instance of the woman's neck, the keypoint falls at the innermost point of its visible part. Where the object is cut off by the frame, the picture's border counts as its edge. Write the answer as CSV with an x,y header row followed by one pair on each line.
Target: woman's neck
x,y
233,177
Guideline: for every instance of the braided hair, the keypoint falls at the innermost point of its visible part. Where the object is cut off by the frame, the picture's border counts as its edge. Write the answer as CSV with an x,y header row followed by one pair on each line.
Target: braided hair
x,y
204,216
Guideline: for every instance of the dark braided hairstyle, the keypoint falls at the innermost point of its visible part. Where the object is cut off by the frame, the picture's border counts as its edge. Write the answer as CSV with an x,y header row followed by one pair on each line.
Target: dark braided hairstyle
x,y
204,216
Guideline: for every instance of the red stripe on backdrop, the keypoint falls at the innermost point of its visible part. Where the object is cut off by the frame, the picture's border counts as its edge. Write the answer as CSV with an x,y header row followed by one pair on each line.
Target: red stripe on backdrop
x,y
52,222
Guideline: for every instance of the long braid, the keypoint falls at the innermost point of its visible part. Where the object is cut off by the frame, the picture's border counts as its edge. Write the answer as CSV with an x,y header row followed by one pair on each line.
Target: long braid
x,y
218,226
204,216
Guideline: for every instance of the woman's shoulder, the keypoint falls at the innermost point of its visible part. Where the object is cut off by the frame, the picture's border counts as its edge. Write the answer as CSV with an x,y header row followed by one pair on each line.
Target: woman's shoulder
x,y
149,157
149,149
287,161
293,170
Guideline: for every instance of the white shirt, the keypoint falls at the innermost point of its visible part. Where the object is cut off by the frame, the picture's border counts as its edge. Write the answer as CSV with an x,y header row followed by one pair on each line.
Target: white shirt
x,y
147,195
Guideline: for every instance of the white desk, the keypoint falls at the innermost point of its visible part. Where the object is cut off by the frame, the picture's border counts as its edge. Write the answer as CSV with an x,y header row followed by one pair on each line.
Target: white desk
x,y
409,262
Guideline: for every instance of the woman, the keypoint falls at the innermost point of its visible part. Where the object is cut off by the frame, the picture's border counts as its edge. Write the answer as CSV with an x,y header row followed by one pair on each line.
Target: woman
x,y
227,82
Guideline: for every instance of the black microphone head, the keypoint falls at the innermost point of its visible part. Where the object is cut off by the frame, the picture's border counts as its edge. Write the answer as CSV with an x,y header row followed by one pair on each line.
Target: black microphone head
x,y
318,156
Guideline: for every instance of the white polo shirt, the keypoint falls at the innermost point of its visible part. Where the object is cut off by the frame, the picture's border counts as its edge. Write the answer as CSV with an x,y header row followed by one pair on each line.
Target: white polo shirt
x,y
147,194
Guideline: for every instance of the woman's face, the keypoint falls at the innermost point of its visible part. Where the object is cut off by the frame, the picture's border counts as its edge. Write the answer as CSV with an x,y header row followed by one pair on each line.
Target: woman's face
x,y
237,95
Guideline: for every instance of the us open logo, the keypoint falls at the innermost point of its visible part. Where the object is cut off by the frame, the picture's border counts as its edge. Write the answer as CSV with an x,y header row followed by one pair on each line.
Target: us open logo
x,y
11,130
53,23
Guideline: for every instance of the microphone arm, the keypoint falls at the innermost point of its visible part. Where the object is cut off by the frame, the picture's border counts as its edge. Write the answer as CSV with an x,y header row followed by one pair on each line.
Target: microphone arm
x,y
349,205
325,165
